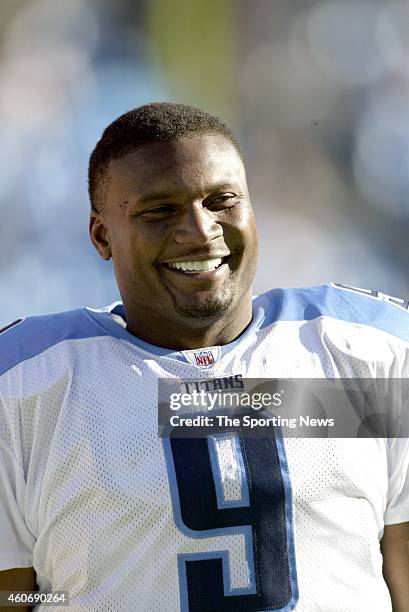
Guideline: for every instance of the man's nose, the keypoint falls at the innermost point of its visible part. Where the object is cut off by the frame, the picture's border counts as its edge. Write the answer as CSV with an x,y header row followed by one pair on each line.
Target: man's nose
x,y
197,225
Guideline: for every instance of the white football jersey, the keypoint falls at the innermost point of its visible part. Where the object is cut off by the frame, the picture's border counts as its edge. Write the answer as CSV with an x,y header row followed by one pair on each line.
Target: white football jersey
x,y
124,520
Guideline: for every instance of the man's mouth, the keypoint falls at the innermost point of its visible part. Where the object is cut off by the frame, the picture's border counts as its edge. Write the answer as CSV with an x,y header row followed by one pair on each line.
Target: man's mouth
x,y
199,268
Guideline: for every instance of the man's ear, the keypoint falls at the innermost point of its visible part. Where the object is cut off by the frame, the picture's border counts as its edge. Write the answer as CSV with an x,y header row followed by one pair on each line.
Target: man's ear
x,y
99,234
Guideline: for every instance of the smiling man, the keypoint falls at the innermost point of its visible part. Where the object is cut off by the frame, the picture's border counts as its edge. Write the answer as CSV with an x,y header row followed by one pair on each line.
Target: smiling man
x,y
94,503
176,218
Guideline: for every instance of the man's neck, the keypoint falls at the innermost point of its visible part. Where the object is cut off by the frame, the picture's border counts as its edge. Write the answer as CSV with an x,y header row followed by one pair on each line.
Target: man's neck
x,y
180,337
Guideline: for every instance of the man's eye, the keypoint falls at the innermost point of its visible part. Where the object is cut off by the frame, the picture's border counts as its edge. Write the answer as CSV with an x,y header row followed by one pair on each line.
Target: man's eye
x,y
223,201
159,210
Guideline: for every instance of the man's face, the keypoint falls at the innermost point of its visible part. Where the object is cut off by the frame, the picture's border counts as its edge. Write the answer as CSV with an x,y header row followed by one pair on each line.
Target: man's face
x,y
178,223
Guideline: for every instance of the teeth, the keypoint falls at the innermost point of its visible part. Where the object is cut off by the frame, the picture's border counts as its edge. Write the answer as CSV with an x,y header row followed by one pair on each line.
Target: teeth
x,y
196,266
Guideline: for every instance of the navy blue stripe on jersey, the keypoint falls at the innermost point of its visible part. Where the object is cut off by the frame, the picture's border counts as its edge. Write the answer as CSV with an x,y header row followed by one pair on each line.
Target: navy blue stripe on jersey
x,y
34,335
10,325
345,304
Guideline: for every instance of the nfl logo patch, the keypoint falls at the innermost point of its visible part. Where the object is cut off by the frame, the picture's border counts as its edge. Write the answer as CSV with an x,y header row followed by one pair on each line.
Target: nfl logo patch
x,y
204,358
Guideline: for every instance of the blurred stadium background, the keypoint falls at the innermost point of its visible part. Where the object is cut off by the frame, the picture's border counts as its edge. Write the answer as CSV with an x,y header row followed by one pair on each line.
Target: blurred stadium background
x,y
318,92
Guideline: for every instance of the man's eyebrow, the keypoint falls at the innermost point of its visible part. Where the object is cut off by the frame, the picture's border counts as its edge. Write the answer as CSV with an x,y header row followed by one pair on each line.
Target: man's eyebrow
x,y
157,196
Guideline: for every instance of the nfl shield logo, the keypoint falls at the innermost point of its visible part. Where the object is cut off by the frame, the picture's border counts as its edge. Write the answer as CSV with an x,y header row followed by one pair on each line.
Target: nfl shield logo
x,y
204,358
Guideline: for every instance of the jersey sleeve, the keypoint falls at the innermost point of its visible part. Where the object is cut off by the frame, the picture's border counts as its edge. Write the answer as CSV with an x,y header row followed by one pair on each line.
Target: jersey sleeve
x,y
16,540
397,508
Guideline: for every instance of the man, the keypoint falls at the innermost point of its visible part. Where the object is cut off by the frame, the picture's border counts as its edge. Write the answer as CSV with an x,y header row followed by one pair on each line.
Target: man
x,y
93,502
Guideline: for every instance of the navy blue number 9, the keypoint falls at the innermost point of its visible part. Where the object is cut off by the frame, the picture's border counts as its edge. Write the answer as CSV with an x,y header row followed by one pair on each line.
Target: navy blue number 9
x,y
262,514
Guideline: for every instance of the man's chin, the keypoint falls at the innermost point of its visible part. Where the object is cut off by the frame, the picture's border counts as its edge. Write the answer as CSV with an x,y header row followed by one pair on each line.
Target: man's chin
x,y
211,308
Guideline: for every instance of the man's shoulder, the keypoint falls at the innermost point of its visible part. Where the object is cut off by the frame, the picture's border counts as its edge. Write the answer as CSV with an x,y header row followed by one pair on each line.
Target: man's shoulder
x,y
31,336
344,303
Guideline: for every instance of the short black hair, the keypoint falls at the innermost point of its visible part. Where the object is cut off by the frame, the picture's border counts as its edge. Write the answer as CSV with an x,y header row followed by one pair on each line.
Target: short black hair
x,y
157,121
